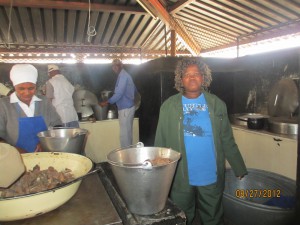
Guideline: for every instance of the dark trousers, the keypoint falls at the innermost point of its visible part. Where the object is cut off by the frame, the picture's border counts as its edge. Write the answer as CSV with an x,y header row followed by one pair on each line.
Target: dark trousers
x,y
207,200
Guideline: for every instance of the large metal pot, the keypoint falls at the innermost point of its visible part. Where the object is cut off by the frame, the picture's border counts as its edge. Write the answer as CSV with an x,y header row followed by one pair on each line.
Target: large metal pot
x,y
250,201
144,186
26,206
100,113
70,140
283,125
256,123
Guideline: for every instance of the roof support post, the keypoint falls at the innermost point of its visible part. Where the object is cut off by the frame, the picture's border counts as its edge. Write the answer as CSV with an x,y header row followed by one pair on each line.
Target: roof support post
x,y
173,43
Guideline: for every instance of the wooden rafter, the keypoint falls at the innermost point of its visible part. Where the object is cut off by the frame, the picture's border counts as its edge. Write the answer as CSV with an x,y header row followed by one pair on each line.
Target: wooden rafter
x,y
170,21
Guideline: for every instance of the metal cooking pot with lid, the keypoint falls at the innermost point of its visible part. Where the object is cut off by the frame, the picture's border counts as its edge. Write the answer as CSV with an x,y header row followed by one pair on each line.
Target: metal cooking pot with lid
x,y
256,122
251,120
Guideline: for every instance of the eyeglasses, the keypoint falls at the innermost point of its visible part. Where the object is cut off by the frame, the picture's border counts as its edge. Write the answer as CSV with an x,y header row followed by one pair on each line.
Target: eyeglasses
x,y
188,75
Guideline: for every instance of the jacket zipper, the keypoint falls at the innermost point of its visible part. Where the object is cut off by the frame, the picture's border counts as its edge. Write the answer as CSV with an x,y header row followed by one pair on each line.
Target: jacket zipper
x,y
180,141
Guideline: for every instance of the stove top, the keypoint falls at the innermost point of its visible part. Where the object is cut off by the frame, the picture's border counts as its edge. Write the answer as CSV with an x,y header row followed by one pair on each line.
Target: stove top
x,y
170,215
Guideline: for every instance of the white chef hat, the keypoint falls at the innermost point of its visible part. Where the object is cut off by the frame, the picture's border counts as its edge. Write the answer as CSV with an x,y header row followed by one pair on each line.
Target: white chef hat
x,y
52,68
23,73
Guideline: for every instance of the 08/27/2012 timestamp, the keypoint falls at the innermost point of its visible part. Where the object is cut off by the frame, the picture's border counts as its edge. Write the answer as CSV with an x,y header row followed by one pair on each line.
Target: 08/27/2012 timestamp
x,y
257,193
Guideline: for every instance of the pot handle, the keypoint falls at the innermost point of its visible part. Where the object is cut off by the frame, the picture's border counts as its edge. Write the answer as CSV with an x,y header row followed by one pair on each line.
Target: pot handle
x,y
78,133
138,145
147,165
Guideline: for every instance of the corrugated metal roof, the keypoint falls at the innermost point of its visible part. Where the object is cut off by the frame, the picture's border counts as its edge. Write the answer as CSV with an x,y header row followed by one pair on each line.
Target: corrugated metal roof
x,y
123,27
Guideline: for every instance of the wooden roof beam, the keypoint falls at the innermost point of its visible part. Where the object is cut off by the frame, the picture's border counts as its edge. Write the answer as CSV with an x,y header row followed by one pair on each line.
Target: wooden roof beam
x,y
156,8
179,5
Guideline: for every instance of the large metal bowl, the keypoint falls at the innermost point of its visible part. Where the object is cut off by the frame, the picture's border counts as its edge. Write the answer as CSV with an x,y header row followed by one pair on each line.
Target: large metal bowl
x,y
70,140
26,206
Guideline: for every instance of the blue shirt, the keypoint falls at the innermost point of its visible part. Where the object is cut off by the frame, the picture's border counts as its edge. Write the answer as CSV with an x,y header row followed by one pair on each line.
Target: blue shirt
x,y
124,91
199,144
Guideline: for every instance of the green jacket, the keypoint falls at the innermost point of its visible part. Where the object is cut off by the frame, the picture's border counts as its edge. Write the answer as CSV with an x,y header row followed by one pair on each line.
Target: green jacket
x,y
169,134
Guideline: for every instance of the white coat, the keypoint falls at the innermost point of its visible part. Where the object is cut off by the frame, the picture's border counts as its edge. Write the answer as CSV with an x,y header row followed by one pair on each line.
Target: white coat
x,y
63,101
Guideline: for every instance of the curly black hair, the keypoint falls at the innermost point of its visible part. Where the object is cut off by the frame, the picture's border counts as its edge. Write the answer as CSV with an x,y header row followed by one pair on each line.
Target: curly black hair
x,y
182,66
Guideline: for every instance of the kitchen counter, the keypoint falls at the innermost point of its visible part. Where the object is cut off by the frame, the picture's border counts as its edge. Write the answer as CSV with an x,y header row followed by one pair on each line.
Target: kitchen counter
x,y
99,202
171,214
266,132
91,205
104,137
268,151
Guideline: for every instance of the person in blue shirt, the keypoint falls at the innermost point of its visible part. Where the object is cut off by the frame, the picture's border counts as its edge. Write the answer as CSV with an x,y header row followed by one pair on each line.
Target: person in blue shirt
x,y
123,97
195,123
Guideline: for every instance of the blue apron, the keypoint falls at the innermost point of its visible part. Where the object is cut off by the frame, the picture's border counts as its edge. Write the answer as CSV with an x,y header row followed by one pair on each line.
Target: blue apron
x,y
29,127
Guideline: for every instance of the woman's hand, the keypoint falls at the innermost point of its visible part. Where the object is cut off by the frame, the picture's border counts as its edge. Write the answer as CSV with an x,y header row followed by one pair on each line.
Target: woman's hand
x,y
21,150
38,148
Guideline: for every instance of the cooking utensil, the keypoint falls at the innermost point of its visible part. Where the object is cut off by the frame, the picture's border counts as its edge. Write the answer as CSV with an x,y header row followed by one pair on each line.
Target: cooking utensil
x,y
71,140
111,114
100,112
26,206
256,122
83,102
85,97
144,186
283,125
11,162
253,120
283,98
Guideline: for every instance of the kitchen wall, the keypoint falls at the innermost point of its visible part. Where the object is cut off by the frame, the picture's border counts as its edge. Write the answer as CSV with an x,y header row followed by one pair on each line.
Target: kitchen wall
x,y
243,83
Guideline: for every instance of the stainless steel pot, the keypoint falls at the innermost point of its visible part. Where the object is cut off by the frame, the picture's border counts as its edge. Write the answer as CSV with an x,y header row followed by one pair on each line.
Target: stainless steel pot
x,y
145,187
26,206
100,112
111,114
256,123
283,125
70,140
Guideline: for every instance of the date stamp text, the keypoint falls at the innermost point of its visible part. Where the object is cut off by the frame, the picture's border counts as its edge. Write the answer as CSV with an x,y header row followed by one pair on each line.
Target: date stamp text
x,y
257,193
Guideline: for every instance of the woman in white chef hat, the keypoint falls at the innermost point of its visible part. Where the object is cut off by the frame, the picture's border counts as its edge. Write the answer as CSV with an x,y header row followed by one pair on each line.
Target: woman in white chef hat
x,y
23,114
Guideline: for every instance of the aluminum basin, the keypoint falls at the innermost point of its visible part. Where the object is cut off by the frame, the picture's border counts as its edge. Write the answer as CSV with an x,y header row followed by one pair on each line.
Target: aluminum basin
x,y
70,140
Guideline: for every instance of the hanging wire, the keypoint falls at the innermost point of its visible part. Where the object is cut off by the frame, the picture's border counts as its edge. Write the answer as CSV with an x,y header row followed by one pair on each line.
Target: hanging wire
x,y
91,29
9,26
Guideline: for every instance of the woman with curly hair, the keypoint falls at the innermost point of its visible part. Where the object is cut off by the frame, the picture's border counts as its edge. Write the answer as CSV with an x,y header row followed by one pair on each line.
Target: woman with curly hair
x,y
195,123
